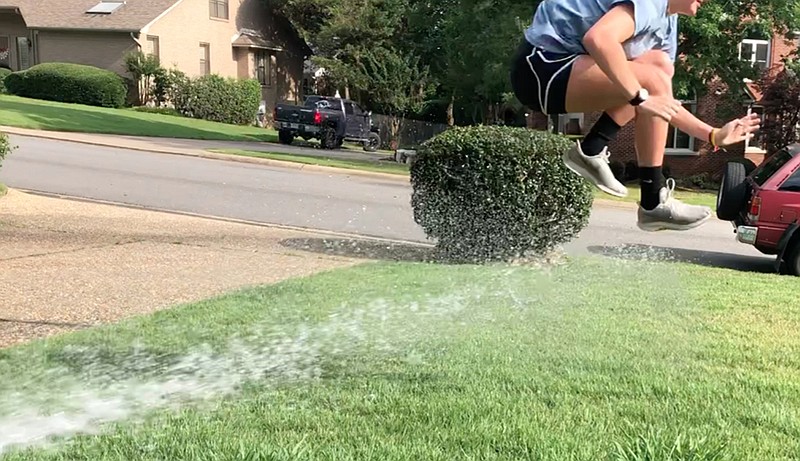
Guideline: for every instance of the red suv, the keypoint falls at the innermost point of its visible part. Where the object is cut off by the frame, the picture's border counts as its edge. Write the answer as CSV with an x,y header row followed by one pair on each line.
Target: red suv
x,y
763,204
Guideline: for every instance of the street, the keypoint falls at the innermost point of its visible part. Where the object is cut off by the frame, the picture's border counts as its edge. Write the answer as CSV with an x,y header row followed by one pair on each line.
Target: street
x,y
332,202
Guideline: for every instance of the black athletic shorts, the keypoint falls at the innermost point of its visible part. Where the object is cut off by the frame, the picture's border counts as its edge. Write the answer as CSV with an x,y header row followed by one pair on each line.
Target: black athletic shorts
x,y
539,78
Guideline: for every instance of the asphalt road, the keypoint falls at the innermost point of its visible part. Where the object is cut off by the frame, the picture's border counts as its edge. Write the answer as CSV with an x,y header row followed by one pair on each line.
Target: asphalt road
x,y
333,202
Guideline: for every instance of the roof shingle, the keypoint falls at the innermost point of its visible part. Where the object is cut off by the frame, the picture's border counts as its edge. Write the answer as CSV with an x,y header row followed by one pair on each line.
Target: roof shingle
x,y
71,14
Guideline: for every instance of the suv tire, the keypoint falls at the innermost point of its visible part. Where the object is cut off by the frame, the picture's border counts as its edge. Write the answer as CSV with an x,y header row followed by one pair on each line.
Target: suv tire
x,y
793,259
732,194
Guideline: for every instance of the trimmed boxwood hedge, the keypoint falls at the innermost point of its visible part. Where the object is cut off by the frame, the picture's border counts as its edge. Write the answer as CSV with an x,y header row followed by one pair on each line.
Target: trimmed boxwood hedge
x,y
491,193
3,74
72,83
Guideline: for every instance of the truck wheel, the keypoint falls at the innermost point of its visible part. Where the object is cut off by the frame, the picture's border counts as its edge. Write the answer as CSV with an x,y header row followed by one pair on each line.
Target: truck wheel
x,y
328,140
372,143
793,260
285,137
732,194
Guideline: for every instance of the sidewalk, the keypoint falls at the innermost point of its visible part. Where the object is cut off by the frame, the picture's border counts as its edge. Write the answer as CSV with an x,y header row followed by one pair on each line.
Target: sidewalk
x,y
70,264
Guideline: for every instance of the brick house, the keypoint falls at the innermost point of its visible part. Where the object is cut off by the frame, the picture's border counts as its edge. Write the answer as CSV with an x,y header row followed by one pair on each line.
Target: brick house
x,y
686,156
232,38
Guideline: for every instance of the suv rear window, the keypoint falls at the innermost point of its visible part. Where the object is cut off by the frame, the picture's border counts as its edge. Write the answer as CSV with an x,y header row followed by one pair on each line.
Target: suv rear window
x,y
771,166
792,183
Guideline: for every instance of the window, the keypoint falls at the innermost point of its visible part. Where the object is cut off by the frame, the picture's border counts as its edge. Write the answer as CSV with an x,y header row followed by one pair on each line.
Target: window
x,y
218,9
771,166
677,140
205,59
152,46
571,123
5,52
23,53
792,183
105,7
756,143
263,67
755,51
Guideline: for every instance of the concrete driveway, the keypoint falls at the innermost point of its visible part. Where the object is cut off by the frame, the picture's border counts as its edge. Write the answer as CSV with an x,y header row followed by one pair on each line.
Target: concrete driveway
x,y
70,264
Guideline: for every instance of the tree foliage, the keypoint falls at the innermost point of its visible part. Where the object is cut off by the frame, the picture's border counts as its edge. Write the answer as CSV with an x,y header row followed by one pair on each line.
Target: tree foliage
x,y
462,48
781,91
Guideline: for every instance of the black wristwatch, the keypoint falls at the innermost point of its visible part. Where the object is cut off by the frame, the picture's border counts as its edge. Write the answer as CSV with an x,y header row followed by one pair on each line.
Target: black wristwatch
x,y
641,96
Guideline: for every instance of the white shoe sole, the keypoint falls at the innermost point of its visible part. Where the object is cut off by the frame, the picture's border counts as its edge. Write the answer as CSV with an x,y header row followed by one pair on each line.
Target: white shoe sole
x,y
582,172
661,226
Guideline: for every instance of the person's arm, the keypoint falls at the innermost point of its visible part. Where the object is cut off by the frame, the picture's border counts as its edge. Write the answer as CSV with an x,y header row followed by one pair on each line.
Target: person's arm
x,y
691,125
604,43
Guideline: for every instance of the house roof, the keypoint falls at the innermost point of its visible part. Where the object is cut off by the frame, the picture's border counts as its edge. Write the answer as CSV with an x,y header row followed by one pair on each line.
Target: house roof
x,y
247,38
131,16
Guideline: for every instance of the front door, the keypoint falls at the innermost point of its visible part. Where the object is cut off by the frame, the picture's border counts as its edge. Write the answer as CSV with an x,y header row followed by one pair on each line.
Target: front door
x,y
355,120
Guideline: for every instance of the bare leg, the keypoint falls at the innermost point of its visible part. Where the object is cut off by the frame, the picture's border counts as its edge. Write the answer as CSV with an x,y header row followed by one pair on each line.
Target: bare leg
x,y
590,90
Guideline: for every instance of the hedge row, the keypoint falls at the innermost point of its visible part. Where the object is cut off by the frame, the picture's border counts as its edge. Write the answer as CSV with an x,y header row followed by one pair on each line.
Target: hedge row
x,y
3,74
72,83
210,97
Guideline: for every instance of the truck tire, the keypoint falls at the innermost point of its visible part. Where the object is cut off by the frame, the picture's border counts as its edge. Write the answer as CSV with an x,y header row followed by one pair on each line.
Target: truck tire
x,y
285,137
373,142
328,138
793,260
732,194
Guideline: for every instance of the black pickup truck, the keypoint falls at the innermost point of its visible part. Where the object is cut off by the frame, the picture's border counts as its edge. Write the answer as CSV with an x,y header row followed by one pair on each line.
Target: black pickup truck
x,y
329,119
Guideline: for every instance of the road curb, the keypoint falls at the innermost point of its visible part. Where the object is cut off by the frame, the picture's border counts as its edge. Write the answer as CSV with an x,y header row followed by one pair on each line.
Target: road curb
x,y
60,136
309,230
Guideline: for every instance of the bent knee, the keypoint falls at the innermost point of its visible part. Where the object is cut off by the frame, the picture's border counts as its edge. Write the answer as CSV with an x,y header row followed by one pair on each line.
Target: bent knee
x,y
657,81
660,60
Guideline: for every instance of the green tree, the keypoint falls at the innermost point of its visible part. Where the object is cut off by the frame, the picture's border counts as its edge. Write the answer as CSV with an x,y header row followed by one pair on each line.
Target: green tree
x,y
781,92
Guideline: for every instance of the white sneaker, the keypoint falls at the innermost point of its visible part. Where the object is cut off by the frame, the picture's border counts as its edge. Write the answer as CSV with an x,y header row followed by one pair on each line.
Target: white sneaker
x,y
671,213
594,168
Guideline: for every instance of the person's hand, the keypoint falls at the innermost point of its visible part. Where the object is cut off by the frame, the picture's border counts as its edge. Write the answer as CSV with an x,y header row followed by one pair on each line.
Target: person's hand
x,y
665,107
737,130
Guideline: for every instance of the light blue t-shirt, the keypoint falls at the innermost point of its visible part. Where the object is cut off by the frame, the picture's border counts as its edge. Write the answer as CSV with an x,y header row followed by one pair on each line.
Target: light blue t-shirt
x,y
559,26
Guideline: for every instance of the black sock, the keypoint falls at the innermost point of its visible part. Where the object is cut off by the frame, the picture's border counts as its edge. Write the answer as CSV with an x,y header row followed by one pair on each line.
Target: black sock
x,y
604,131
651,181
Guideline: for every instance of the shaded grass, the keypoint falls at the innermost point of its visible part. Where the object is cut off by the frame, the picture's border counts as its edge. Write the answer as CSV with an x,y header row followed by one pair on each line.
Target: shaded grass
x,y
55,116
380,166
595,359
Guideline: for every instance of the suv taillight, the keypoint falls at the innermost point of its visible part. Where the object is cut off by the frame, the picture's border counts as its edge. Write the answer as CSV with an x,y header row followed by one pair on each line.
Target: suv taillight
x,y
317,118
755,209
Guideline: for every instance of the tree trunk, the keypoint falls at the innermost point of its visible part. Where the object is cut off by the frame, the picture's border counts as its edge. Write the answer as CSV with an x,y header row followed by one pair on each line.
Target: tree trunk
x,y
451,120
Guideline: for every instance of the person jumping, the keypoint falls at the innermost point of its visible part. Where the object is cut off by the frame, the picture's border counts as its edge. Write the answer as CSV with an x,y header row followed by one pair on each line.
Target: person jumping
x,y
617,56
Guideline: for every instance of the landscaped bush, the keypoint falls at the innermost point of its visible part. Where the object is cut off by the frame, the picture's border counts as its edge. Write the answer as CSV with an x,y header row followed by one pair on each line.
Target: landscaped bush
x,y
212,97
72,83
5,147
497,193
3,74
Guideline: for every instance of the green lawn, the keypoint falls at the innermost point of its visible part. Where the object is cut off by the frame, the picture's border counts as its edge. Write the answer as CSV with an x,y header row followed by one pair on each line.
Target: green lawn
x,y
595,359
54,116
380,166
694,197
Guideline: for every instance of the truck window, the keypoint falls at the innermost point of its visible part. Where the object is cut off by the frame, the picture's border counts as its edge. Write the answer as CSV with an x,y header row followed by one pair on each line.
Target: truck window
x,y
792,183
348,108
775,163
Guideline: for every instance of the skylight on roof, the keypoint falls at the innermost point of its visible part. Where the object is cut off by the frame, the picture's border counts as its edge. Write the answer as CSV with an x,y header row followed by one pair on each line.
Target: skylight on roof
x,y
105,7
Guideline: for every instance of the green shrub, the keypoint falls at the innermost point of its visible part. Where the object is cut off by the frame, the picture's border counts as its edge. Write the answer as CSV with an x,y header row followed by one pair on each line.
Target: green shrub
x,y
72,83
3,74
218,99
5,147
497,193
158,110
